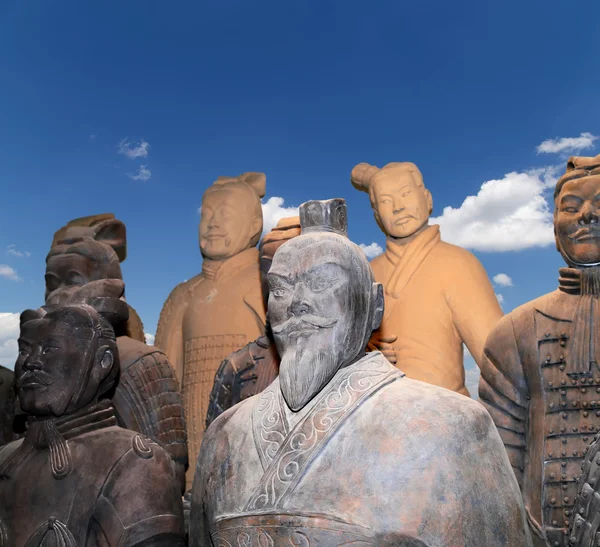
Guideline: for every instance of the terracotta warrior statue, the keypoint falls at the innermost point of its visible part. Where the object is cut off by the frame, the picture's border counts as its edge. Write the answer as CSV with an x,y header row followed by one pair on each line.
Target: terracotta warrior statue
x,y
84,263
342,448
251,369
540,375
77,479
438,296
221,309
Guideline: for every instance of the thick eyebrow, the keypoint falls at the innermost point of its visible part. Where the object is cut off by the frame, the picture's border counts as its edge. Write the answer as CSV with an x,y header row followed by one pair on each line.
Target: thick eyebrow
x,y
281,277
318,269
568,197
23,342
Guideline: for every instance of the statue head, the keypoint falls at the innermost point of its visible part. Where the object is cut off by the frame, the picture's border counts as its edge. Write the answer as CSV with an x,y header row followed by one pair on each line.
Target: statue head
x,y
67,360
86,249
323,302
577,212
401,203
231,218
286,229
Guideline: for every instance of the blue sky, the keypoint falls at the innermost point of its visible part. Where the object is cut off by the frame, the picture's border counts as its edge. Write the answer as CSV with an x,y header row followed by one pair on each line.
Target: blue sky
x,y
302,91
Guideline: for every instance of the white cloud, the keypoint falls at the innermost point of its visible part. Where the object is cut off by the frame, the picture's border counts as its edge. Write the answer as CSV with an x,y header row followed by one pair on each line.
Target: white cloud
x,y
9,333
372,250
507,214
274,210
500,298
13,251
567,144
9,273
472,381
143,174
134,151
503,280
149,338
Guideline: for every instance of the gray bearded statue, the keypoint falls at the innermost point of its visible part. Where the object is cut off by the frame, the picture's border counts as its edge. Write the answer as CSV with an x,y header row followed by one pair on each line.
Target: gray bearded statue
x,y
342,448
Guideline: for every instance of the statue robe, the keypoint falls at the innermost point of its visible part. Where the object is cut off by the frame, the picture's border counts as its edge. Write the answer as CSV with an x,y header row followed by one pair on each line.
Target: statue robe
x,y
437,296
202,322
546,412
108,487
374,453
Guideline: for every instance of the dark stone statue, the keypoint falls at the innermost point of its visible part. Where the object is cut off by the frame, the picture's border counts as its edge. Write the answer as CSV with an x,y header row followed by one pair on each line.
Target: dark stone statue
x,y
83,263
77,479
342,448
251,369
540,376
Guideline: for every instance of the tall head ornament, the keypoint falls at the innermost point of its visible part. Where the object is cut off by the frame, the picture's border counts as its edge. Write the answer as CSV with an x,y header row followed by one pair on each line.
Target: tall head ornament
x,y
401,203
577,212
231,217
323,302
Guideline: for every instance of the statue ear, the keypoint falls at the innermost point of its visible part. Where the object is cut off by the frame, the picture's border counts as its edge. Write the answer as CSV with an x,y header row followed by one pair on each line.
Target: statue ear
x,y
104,356
257,181
378,305
112,232
429,200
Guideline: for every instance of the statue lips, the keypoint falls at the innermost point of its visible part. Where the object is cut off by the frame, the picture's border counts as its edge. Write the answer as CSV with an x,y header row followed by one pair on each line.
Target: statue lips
x,y
403,220
585,234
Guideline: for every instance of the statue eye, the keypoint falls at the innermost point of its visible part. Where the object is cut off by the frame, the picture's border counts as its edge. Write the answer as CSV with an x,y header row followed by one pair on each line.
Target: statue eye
x,y
319,284
570,209
47,350
23,353
278,292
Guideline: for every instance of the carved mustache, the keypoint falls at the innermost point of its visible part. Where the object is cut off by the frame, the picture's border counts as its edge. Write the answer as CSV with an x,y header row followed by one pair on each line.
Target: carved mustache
x,y
588,231
37,377
305,321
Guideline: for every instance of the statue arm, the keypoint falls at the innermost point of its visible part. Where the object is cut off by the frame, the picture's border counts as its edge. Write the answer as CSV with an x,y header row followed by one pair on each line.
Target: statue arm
x,y
474,304
504,392
149,514
169,332
148,400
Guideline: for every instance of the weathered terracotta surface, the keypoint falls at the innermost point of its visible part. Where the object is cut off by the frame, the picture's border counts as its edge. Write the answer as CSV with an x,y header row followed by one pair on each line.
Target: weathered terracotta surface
x,y
77,479
437,295
540,370
221,309
83,265
342,448
251,369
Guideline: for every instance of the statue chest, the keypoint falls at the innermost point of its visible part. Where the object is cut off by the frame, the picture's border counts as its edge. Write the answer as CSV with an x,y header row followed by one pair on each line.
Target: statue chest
x,y
571,403
37,510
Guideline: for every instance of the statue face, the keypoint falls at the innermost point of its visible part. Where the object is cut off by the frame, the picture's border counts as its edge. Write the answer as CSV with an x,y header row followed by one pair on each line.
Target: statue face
x,y
311,317
576,220
69,270
402,206
48,366
227,223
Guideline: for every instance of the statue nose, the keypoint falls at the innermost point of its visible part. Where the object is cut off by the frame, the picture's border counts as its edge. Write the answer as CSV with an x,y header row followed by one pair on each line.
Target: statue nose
x,y
299,304
588,216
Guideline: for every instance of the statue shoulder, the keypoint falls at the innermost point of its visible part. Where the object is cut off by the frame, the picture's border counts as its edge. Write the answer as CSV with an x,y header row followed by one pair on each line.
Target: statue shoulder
x,y
183,288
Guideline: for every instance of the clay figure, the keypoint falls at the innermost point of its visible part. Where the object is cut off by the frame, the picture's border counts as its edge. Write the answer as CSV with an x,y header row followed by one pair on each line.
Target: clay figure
x,y
221,309
251,369
342,448
540,375
77,479
84,263
438,296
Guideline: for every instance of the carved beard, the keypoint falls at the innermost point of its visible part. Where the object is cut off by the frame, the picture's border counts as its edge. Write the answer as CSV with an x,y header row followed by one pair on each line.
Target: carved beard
x,y
303,372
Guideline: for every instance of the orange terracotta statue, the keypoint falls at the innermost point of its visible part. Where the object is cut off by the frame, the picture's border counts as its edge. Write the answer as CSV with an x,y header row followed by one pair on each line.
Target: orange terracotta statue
x,y
221,309
438,296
